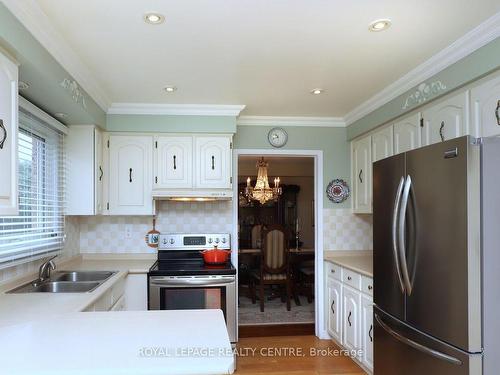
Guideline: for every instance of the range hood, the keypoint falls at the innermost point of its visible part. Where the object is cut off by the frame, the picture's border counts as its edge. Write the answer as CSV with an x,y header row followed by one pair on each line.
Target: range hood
x,y
187,195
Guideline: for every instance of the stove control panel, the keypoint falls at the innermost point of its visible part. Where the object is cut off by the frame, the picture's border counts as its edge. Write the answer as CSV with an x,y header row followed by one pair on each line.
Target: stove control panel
x,y
178,241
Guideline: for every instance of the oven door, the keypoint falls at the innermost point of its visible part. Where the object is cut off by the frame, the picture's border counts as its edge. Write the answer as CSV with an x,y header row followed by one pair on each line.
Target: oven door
x,y
196,292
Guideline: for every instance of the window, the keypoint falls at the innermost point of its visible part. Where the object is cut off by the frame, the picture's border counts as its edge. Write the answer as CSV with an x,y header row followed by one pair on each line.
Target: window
x,y
39,228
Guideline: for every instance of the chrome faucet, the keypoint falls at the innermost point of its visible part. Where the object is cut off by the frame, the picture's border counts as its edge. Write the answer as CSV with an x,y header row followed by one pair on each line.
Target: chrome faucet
x,y
45,268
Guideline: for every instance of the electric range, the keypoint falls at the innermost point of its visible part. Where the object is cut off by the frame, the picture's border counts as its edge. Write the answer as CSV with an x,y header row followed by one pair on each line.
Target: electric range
x,y
181,280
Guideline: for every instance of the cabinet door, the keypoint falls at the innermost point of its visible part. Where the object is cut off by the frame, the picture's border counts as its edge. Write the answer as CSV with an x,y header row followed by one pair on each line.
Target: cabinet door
x,y
174,162
485,101
382,144
99,171
367,331
446,120
361,174
213,162
335,309
8,136
351,302
130,184
407,134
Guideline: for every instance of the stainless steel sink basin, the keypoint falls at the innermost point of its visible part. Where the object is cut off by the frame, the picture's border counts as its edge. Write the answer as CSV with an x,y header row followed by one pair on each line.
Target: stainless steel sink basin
x,y
57,287
66,282
79,276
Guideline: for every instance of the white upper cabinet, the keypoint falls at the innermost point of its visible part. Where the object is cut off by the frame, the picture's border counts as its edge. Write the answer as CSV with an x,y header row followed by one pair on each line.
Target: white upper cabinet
x,y
99,171
407,134
86,170
382,144
173,162
8,136
446,119
334,309
130,182
361,175
213,162
485,101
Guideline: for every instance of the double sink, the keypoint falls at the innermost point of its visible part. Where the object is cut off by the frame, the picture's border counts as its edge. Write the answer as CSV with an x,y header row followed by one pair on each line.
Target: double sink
x,y
67,282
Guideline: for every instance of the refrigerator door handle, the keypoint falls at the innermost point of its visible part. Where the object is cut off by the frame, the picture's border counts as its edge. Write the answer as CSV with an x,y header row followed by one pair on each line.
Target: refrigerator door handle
x,y
416,345
401,235
397,202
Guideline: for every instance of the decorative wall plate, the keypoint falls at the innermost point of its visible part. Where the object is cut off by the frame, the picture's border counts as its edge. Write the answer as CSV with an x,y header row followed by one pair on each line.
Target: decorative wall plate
x,y
337,191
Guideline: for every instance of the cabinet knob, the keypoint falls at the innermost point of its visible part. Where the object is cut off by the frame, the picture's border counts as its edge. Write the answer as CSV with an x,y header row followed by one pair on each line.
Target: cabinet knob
x,y
332,271
349,278
370,287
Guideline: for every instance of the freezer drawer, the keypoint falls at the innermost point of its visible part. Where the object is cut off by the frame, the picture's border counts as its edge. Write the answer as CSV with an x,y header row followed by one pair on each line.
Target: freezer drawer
x,y
400,349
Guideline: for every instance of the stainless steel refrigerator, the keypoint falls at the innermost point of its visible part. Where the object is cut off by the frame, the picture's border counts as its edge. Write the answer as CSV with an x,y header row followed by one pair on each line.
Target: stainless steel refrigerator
x,y
436,233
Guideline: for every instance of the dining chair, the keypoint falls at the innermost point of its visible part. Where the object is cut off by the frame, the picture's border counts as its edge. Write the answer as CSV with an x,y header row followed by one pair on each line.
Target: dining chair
x,y
256,236
274,264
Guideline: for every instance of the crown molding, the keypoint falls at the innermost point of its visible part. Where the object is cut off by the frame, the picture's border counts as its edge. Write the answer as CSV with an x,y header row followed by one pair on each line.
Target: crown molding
x,y
473,40
175,109
29,13
326,122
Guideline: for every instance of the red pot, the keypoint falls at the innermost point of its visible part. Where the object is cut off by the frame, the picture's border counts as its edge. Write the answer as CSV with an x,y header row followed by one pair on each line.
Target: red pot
x,y
215,256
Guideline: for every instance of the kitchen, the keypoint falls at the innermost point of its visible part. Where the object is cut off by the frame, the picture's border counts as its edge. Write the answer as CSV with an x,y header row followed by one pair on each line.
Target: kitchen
x,y
125,168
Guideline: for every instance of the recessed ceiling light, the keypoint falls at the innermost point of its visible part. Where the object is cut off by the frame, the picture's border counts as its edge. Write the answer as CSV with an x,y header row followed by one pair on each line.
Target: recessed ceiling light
x,y
317,91
23,85
154,18
170,88
380,25
60,115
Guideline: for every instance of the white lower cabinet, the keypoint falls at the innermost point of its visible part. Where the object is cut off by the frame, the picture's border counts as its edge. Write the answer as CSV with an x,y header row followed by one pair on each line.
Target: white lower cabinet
x,y
136,292
350,313
367,331
351,301
334,309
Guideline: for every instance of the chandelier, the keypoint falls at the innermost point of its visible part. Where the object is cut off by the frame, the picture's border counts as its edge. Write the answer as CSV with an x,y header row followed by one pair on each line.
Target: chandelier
x,y
262,192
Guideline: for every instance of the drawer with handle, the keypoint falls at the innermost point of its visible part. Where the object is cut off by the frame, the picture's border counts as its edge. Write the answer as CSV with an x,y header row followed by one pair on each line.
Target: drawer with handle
x,y
351,278
334,270
367,285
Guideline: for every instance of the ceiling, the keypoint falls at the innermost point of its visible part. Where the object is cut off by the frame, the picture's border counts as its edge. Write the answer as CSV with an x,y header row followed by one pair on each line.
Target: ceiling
x,y
264,54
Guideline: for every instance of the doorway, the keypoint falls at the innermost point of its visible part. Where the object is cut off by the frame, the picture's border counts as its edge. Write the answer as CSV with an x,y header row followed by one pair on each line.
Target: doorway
x,y
295,211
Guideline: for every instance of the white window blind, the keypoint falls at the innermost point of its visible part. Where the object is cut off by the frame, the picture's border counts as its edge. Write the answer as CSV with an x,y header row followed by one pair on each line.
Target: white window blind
x,y
39,228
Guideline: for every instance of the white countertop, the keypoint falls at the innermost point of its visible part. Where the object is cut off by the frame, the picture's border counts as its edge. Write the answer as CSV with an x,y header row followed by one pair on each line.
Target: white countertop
x,y
21,308
360,261
119,343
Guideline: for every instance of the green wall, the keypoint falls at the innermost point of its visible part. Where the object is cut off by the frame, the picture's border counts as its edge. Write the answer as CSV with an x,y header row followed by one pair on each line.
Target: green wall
x,y
472,67
173,124
44,74
332,141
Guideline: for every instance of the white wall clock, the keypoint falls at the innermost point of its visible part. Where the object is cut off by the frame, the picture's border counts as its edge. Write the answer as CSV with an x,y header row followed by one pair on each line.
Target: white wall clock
x,y
277,137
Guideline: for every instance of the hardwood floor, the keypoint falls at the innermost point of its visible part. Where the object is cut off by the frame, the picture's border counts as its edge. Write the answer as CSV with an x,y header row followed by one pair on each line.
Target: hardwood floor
x,y
276,330
262,361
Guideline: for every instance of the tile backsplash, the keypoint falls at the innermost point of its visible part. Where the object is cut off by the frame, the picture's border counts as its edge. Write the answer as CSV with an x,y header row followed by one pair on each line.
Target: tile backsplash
x,y
343,230
125,234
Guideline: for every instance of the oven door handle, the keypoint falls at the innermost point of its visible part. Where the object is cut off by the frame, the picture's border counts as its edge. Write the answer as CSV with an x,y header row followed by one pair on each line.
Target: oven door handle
x,y
187,282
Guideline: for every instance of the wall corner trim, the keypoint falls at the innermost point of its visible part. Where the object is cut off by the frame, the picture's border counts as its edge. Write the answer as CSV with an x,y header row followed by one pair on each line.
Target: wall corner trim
x,y
175,109
329,122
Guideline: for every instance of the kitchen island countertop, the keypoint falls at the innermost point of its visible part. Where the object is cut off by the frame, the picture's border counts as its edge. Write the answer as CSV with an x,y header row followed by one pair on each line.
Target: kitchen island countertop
x,y
120,342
